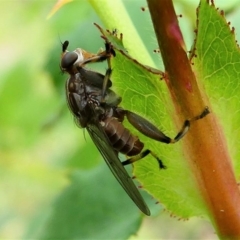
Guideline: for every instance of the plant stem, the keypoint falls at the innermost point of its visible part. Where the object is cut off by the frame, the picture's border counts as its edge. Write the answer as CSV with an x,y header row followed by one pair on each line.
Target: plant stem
x,y
205,144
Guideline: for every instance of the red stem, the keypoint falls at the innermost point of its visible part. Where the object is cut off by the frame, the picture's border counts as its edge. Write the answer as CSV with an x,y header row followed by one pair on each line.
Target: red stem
x,y
205,144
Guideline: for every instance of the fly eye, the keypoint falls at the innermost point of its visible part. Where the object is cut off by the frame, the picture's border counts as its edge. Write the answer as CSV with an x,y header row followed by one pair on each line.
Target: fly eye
x,y
69,59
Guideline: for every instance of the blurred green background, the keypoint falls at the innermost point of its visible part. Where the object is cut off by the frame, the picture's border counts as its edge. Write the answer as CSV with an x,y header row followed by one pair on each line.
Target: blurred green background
x,y
53,182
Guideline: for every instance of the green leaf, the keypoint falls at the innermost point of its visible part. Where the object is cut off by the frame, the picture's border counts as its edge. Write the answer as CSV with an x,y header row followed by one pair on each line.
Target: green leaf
x,y
146,94
217,66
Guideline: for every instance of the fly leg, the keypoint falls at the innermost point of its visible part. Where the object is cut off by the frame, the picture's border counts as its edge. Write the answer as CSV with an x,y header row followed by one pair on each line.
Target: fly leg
x,y
187,123
141,156
102,56
105,55
110,52
151,131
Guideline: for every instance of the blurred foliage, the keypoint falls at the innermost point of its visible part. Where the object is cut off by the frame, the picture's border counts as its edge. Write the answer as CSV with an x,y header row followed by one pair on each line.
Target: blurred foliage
x,y
41,149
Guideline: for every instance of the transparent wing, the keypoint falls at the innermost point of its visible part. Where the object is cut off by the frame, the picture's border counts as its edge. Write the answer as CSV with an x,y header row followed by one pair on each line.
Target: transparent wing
x,y
101,141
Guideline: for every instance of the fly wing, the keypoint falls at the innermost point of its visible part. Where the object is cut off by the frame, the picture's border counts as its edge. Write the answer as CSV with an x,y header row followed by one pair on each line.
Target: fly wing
x,y
103,144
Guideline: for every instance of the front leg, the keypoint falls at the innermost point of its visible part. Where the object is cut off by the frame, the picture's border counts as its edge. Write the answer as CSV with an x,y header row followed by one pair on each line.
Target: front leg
x,y
105,55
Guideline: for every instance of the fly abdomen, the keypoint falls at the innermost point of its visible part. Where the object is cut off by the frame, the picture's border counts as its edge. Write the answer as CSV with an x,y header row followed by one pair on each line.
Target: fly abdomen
x,y
121,138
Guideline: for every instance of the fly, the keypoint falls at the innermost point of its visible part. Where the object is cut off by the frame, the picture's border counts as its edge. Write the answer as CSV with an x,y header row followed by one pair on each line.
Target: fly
x,y
96,107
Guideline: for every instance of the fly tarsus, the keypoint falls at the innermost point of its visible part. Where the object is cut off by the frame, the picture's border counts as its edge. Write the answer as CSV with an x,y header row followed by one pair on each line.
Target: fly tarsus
x,y
187,123
141,156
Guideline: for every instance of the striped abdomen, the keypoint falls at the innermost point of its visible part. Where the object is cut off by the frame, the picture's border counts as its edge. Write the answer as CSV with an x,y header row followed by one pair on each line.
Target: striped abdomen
x,y
121,138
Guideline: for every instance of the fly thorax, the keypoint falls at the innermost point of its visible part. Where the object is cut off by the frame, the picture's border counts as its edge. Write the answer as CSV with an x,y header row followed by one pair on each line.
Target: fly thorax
x,y
80,88
94,92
